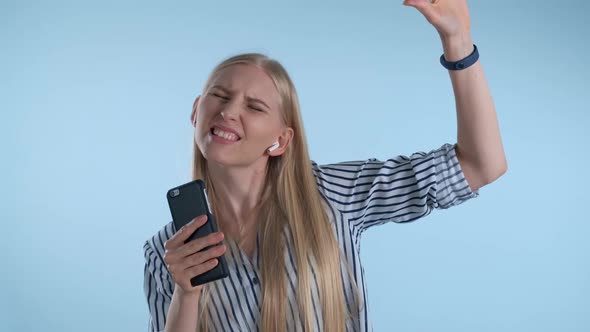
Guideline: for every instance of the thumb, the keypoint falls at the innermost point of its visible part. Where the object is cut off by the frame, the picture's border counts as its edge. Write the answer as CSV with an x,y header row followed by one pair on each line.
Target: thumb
x,y
423,6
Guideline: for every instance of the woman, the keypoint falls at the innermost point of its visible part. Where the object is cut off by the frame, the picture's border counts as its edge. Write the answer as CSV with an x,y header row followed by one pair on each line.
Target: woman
x,y
290,228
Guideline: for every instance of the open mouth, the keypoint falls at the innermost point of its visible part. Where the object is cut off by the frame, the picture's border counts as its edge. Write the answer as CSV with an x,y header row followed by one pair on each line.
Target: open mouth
x,y
228,136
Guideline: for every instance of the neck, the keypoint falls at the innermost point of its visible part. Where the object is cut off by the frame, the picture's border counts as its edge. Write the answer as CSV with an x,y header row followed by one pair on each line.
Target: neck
x,y
237,193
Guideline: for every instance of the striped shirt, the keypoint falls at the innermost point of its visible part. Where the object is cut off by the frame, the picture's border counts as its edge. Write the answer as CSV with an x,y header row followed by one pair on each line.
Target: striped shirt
x,y
361,194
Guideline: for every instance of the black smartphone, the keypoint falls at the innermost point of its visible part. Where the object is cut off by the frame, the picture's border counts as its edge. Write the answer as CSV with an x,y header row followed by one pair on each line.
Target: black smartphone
x,y
187,202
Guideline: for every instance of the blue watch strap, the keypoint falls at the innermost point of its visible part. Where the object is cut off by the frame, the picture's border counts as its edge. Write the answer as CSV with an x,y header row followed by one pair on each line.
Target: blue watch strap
x,y
461,64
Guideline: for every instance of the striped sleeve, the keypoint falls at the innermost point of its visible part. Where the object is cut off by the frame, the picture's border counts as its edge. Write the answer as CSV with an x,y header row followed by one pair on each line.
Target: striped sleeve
x,y
158,297
402,189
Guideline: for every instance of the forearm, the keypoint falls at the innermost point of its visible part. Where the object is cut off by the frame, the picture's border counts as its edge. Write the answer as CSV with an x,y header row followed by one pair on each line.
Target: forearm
x,y
183,312
478,133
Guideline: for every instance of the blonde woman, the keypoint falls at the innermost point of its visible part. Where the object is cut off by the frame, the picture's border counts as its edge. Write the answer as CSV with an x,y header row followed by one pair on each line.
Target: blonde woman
x,y
290,228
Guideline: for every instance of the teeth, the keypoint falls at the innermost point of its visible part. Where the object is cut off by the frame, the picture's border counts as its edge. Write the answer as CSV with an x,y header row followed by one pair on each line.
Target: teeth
x,y
226,135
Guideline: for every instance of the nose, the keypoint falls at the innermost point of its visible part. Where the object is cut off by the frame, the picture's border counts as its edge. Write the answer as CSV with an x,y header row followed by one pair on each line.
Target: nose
x,y
231,111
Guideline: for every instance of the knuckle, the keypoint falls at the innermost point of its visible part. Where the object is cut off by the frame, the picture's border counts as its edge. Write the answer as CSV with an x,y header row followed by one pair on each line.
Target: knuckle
x,y
196,259
213,238
195,271
195,246
168,256
211,253
201,257
220,249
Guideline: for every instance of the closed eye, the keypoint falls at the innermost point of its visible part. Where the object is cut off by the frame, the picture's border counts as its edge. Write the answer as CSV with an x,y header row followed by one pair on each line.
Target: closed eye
x,y
220,96
227,98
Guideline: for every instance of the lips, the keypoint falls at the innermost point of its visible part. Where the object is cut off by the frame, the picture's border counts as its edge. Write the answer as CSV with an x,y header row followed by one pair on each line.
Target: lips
x,y
226,129
225,133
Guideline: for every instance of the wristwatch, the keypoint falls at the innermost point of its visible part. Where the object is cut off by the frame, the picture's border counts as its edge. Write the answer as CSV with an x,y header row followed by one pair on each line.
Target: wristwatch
x,y
461,64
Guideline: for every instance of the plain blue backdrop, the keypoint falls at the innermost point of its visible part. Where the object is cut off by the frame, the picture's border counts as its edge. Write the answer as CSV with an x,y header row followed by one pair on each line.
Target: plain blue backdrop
x,y
95,100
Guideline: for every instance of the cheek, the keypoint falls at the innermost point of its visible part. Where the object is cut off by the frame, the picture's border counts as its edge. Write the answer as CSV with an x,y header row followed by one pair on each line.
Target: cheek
x,y
204,115
264,132
202,128
202,112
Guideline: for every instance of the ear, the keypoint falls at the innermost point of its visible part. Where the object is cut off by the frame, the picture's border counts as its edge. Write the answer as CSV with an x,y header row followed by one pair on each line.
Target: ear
x,y
284,141
194,111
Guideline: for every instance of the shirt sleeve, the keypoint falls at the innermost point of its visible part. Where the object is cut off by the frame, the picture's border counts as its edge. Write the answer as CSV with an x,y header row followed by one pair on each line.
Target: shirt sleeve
x,y
402,189
156,288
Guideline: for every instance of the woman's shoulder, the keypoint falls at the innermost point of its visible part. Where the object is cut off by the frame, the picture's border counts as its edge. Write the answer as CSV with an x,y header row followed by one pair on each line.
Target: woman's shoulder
x,y
341,168
156,241
157,277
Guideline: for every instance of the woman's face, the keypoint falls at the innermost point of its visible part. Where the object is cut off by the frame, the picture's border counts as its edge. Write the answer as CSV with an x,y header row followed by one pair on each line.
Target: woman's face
x,y
238,117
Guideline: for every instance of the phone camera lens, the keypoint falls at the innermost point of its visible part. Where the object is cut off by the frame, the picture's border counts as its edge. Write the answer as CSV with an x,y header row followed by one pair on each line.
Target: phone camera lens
x,y
174,193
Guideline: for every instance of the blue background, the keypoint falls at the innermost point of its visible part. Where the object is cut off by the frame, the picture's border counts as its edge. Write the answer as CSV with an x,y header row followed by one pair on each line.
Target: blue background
x,y
95,101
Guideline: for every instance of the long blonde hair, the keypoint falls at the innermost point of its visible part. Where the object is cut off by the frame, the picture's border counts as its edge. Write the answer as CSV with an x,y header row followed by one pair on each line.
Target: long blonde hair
x,y
290,198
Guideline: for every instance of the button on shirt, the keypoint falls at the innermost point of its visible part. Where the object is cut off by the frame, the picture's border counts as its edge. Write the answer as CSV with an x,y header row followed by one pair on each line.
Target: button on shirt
x,y
360,194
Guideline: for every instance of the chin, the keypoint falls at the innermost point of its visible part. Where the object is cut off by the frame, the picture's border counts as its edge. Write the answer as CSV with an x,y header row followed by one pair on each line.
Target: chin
x,y
221,161
220,157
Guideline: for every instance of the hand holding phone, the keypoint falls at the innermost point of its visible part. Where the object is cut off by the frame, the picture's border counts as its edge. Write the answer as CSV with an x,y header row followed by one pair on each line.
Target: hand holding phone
x,y
199,242
186,260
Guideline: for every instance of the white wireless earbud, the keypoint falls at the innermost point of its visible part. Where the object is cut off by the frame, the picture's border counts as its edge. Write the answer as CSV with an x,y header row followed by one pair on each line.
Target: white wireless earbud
x,y
274,147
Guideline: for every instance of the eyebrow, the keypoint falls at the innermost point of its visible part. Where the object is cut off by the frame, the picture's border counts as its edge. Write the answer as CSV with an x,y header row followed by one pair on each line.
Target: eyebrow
x,y
256,100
